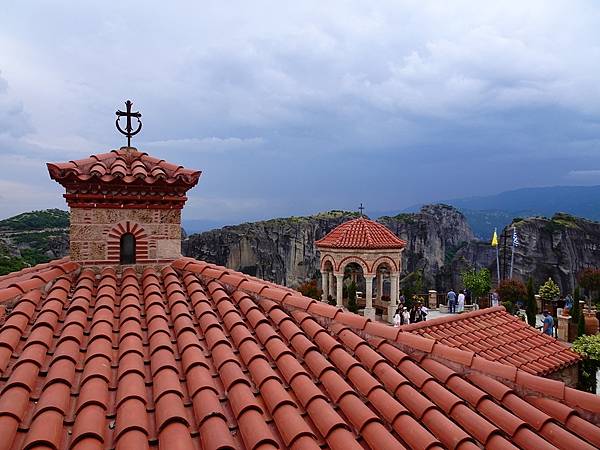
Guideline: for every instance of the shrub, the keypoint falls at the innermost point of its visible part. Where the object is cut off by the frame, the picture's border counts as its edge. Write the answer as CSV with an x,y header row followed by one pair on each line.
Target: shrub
x,y
511,291
509,306
531,308
589,348
478,282
589,279
310,289
352,306
577,313
549,290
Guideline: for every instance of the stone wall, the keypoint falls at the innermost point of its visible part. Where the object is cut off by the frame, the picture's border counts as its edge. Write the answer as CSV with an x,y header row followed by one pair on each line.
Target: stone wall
x,y
95,234
568,375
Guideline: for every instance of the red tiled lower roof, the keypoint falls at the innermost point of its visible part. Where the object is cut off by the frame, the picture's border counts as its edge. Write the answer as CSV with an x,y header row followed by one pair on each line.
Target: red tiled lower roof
x,y
17,283
499,336
198,356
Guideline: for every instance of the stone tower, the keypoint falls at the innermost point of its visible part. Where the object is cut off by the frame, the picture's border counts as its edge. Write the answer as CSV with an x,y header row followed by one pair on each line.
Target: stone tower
x,y
125,207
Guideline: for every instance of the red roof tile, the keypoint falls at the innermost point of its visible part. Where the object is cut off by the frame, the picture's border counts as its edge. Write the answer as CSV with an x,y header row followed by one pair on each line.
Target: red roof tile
x,y
498,336
361,233
129,360
126,165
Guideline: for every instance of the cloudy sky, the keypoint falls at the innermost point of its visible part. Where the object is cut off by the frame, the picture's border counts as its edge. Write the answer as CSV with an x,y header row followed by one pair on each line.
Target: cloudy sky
x,y
291,108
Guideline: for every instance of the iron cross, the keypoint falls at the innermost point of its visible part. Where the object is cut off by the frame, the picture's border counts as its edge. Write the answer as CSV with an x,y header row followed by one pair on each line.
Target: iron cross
x,y
128,128
361,208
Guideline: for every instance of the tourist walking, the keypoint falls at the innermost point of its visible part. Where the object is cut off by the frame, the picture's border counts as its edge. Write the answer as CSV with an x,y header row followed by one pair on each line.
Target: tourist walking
x,y
451,297
548,324
461,302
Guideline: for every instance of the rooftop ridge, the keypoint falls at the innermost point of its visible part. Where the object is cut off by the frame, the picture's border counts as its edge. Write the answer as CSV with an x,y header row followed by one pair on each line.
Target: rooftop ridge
x,y
451,318
125,165
17,283
293,299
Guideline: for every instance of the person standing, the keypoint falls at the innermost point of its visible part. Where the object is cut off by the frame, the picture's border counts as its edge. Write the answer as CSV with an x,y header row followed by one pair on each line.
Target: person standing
x,y
495,298
461,302
451,297
397,318
548,324
402,299
405,316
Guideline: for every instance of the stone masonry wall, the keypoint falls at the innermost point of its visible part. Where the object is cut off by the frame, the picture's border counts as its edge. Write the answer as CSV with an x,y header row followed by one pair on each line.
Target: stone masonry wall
x,y
93,228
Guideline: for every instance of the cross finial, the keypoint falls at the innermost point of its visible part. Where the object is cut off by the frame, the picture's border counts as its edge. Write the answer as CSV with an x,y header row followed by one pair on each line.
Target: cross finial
x,y
361,208
128,128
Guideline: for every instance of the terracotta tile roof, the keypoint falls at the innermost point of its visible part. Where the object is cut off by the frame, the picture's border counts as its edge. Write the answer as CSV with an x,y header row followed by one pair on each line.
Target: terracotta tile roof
x,y
16,283
499,336
198,356
361,233
126,165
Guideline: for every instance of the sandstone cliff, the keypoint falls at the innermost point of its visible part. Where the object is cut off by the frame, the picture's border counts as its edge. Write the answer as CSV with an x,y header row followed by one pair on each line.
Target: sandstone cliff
x,y
433,237
559,248
279,250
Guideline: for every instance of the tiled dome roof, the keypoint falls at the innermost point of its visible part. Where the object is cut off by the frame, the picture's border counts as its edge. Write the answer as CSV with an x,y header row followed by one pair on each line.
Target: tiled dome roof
x,y
361,233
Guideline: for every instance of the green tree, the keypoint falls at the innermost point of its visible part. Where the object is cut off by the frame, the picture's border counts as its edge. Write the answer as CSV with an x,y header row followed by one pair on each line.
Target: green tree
x,y
531,308
589,279
577,313
352,306
478,282
589,348
510,291
549,290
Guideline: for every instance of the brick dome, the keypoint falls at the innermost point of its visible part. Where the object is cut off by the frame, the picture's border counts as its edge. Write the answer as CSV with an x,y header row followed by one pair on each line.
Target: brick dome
x,y
361,233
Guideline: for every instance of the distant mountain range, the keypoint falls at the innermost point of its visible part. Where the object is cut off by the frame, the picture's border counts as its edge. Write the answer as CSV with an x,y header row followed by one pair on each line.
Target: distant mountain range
x,y
486,212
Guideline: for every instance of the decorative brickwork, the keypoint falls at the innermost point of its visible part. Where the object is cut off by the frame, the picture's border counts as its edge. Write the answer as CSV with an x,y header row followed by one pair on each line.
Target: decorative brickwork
x,y
96,234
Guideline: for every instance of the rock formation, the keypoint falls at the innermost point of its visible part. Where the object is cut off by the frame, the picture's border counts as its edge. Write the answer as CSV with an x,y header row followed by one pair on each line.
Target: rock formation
x,y
557,248
282,250
440,243
279,250
433,237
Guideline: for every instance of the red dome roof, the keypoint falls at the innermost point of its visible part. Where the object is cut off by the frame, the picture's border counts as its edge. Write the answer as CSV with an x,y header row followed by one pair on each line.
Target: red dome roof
x,y
362,234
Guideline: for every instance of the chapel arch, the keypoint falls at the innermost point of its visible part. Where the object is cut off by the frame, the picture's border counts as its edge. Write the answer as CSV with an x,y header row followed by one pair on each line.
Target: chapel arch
x,y
117,242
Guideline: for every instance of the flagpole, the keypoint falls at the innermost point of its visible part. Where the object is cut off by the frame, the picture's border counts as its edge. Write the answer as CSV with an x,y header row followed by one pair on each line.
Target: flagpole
x,y
498,263
495,244
512,257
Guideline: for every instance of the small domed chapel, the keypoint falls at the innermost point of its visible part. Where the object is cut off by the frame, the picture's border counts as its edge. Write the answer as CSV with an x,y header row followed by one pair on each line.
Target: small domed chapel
x,y
125,344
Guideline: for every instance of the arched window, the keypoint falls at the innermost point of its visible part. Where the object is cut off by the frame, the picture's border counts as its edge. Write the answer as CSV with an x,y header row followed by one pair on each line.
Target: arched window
x,y
127,248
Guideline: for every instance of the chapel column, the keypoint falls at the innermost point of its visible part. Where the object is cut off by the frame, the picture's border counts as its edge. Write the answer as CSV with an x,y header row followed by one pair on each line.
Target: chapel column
x,y
324,285
380,284
393,296
339,281
330,283
369,310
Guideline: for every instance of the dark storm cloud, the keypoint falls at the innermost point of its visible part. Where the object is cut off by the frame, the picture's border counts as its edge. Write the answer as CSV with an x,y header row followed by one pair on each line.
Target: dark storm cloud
x,y
291,108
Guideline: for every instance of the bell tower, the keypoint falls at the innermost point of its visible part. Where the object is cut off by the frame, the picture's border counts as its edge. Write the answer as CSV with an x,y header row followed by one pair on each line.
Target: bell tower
x,y
125,206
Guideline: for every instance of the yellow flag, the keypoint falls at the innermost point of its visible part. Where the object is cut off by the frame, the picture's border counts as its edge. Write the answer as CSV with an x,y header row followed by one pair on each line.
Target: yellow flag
x,y
495,239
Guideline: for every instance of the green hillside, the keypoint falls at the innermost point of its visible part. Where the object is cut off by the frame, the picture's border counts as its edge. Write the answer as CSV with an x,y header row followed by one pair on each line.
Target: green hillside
x,y
32,238
36,220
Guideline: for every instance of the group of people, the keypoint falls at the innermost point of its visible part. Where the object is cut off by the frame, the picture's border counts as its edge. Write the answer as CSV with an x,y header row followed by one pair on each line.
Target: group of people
x,y
402,316
456,303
